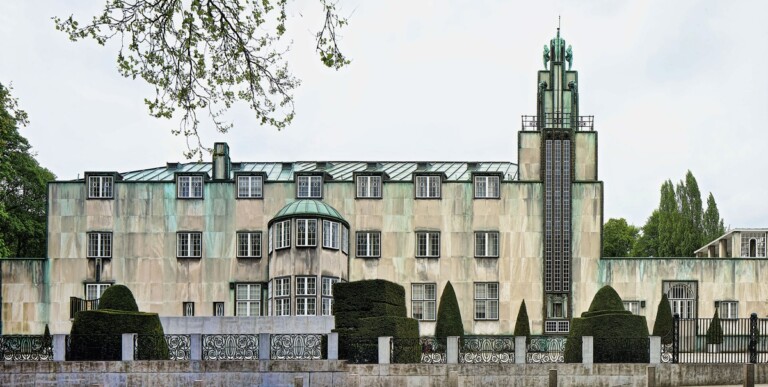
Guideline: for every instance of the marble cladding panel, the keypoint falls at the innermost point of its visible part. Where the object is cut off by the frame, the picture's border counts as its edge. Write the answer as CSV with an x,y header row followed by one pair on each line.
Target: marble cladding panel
x,y
585,163
586,228
529,156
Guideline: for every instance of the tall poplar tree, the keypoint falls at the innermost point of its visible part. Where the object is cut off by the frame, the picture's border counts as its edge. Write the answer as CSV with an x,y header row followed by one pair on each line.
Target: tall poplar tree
x,y
712,224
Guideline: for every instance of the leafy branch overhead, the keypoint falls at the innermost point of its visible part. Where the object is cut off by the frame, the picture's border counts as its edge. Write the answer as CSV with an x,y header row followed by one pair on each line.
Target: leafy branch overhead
x,y
205,55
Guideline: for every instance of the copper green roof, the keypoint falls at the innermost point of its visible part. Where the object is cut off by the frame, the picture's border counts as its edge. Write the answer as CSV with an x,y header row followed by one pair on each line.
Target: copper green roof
x,y
308,207
337,170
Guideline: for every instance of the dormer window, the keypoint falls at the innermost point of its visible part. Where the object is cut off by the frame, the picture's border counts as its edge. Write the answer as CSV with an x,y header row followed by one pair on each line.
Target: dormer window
x,y
250,187
189,186
428,187
486,187
100,187
368,186
309,187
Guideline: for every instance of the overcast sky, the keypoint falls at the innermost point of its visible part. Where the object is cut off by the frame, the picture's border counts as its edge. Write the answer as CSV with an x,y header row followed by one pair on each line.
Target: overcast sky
x,y
672,85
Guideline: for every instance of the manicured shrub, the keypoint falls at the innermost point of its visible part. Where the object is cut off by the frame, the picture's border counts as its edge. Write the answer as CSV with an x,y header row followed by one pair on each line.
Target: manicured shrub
x,y
522,326
96,334
449,315
662,327
118,297
607,319
715,330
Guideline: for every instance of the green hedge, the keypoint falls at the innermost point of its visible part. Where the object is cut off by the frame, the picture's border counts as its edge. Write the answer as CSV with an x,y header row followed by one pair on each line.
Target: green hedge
x,y
96,335
358,295
449,315
662,327
118,297
607,319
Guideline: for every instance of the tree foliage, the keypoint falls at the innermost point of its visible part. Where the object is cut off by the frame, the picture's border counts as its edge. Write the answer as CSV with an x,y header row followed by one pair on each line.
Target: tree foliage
x,y
448,314
205,55
23,186
619,238
680,225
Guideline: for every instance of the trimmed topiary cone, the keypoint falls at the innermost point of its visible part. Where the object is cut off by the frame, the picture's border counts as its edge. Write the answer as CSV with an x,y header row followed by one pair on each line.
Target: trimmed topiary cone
x,y
522,326
662,327
448,314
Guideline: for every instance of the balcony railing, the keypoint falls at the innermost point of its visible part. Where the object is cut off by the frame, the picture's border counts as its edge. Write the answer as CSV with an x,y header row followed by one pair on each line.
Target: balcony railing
x,y
77,304
561,121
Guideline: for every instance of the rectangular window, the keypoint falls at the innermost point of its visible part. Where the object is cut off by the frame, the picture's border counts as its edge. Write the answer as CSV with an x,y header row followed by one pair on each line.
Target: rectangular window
x,y
368,244
309,187
682,297
270,239
306,232
306,286
249,245
282,296
427,244
218,309
188,309
632,306
282,234
189,187
487,244
189,244
423,298
99,245
100,187
249,187
305,306
369,186
327,293
427,187
94,291
486,187
330,234
728,309
345,240
486,301
248,299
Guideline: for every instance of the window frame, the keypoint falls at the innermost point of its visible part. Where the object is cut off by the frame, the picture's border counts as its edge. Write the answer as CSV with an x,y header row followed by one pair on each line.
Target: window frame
x,y
310,235
282,234
727,316
429,195
426,304
369,194
328,226
429,243
188,309
188,234
327,297
310,178
102,177
486,301
486,177
487,237
282,301
369,244
249,302
100,288
219,306
632,304
190,176
250,235
100,236
261,178
345,240
692,305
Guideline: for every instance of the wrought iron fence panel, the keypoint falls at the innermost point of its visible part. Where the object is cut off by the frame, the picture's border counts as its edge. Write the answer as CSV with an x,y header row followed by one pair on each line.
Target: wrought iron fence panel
x,y
740,340
26,347
546,349
363,351
230,347
666,353
621,349
146,347
94,347
296,347
433,350
487,349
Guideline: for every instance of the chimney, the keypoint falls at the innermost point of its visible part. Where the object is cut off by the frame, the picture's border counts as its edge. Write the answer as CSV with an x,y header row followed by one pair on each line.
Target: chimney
x,y
221,163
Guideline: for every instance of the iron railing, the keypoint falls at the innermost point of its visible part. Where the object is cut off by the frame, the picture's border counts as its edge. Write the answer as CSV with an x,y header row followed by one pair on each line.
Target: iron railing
x,y
487,349
171,347
545,349
26,348
297,347
78,304
230,347
562,121
740,340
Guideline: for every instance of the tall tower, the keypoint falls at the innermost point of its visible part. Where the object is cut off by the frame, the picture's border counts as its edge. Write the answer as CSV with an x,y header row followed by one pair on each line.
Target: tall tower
x,y
556,121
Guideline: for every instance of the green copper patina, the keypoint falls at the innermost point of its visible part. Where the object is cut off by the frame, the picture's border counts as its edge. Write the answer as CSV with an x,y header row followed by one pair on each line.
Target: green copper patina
x,y
308,207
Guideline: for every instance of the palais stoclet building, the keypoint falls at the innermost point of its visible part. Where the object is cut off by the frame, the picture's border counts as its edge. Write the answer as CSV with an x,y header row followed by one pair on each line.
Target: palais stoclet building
x,y
260,241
